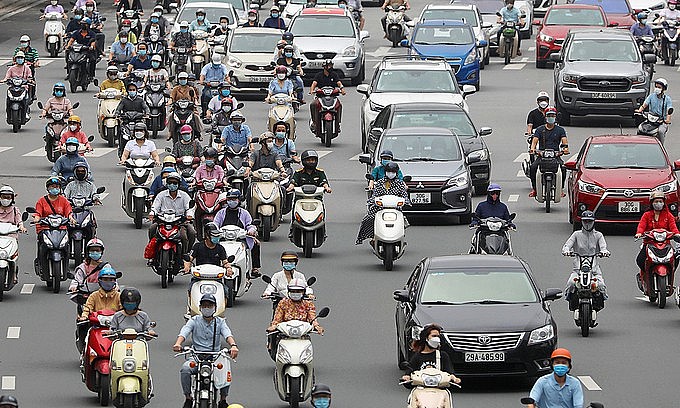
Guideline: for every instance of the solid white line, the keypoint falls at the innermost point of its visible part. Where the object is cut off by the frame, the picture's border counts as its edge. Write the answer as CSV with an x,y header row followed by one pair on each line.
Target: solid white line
x,y
589,383
525,59
513,198
17,11
515,67
5,148
520,173
100,151
522,157
355,157
642,298
39,152
13,332
27,288
8,382
678,69
323,153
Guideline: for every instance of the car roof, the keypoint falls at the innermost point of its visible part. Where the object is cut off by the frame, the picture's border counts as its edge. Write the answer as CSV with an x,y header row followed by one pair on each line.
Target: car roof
x,y
405,62
503,262
207,4
605,139
326,11
442,22
575,6
419,131
426,106
600,33
456,6
252,30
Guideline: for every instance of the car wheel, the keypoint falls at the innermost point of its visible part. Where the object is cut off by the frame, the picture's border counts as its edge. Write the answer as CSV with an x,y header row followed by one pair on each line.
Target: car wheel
x,y
565,117
541,64
361,76
363,137
488,55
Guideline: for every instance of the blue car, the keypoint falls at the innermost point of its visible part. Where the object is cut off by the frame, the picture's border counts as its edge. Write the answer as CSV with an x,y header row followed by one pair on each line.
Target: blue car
x,y
453,40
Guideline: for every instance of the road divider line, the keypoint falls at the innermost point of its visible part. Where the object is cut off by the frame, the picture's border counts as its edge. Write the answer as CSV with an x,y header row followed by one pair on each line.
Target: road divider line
x,y
8,382
521,157
27,288
355,157
642,298
5,148
513,198
100,151
525,59
323,153
39,152
531,49
515,67
13,332
589,383
520,173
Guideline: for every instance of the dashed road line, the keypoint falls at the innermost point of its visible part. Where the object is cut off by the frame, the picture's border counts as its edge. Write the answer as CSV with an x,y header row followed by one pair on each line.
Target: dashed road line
x,y
355,157
515,67
521,157
642,298
8,382
27,288
513,198
5,148
531,49
589,383
525,59
13,332
520,173
100,151
39,152
379,52
323,153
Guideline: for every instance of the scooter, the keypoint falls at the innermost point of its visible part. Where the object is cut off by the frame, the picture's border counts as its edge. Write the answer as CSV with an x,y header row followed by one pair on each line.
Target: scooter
x,y
56,241
18,103
282,112
95,370
183,114
202,53
53,32
107,121
136,184
78,68
669,42
180,59
526,163
492,236
397,29
130,385
656,279
168,259
649,123
585,315
85,227
527,401
276,297
9,255
56,123
430,388
156,46
265,200
207,278
126,130
209,200
213,374
210,90
186,167
507,46
548,178
236,155
234,243
308,223
135,21
136,77
294,372
328,114
155,98
389,230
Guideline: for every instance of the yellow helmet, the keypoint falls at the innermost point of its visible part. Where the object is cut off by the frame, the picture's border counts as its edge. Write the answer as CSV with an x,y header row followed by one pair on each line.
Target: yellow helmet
x,y
169,159
235,406
74,118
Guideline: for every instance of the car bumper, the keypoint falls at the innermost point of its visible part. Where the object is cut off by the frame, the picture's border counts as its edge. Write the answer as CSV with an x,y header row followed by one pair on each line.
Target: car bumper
x,y
348,67
251,81
443,200
480,172
544,49
578,102
467,74
606,206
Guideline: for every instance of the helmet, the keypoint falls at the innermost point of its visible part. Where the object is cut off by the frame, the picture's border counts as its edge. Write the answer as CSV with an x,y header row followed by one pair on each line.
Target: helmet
x,y
297,284
288,36
391,166
320,389
9,400
274,8
588,220
157,57
184,23
174,175
550,110
662,82
19,54
561,353
252,11
211,229
281,70
186,129
74,119
128,23
266,135
94,242
387,154
289,256
234,193
130,295
200,11
107,272
216,59
112,69
183,75
169,159
288,47
657,194
309,153
673,2
59,86
328,62
158,8
52,181
641,15
237,115
25,38
210,152
493,187
542,95
72,141
86,20
208,298
7,190
80,165
156,14
79,11
89,3
140,126
168,170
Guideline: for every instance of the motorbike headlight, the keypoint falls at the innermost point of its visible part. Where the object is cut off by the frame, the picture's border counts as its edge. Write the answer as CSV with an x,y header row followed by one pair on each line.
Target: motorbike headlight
x,y
415,332
3,254
307,354
494,226
64,241
283,355
129,365
471,57
659,236
542,334
209,289
234,62
590,188
374,106
570,79
432,380
206,371
668,187
457,181
482,154
545,38
638,79
350,51
47,241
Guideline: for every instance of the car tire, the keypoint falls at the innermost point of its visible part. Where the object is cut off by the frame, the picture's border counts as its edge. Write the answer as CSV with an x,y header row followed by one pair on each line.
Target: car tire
x,y
541,64
565,117
488,56
361,76
364,136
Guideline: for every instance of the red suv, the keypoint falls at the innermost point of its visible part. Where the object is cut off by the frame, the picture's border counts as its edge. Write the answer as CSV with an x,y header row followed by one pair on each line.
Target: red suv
x,y
614,175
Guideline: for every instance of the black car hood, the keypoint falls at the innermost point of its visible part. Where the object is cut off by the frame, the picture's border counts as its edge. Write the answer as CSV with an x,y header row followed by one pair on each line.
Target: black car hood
x,y
432,170
484,318
472,144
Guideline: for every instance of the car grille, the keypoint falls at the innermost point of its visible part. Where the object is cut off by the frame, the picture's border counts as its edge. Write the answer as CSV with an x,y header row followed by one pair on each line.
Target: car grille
x,y
259,68
611,213
484,342
415,186
320,55
489,368
604,84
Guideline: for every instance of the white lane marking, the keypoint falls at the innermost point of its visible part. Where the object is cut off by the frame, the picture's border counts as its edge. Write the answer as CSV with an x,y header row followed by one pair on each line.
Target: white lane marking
x,y
39,152
531,49
515,67
5,61
379,52
13,332
589,383
100,151
5,148
8,382
102,196
642,298
323,153
522,157
678,69
355,157
520,173
513,198
525,59
27,288
17,11
377,64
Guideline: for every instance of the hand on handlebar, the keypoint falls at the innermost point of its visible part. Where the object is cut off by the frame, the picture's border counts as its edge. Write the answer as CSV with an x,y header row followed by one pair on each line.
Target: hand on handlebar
x,y
638,235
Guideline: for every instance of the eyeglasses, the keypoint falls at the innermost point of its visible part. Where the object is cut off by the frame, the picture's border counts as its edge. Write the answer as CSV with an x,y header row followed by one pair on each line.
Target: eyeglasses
x,y
494,193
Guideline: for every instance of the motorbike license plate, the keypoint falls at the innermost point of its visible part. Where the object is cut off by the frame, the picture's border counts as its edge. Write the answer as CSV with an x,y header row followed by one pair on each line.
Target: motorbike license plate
x,y
603,95
420,198
315,64
260,78
629,206
484,357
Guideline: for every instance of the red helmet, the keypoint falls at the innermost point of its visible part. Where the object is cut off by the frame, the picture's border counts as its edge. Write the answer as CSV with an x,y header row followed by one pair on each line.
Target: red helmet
x,y
281,70
186,129
550,110
561,353
127,23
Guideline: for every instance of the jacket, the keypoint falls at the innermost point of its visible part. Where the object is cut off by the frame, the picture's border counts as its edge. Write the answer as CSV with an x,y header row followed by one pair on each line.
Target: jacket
x,y
490,208
101,300
158,185
137,104
666,221
586,243
65,163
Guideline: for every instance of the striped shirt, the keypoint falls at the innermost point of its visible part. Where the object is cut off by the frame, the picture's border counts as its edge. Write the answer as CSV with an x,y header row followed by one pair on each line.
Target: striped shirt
x,y
30,53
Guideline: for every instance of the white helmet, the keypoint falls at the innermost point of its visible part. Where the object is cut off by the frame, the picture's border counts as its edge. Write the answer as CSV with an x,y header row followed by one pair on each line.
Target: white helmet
x,y
297,284
7,190
25,38
216,59
663,83
542,95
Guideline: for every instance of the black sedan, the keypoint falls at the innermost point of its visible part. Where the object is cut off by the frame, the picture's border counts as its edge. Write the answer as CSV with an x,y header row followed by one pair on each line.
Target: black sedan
x,y
496,321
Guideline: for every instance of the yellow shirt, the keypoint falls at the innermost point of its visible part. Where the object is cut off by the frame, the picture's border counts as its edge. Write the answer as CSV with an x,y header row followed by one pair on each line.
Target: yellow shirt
x,y
101,300
115,84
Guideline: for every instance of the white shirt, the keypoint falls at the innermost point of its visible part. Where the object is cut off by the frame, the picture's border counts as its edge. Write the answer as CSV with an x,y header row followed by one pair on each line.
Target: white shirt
x,y
669,14
280,283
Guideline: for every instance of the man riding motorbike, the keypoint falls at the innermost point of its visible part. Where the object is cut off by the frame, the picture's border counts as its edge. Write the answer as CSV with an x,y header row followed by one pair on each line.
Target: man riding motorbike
x,y
557,389
264,157
183,90
281,279
548,136
125,27
132,102
96,25
510,13
492,206
82,184
223,97
309,173
9,212
236,133
86,38
659,104
209,169
234,214
252,19
157,74
658,216
86,277
107,297
200,23
210,252
183,37
141,61
274,20
327,77
222,28
159,182
65,164
131,316
112,81
74,24
321,396
174,199
640,28
536,116
216,71
122,50
394,4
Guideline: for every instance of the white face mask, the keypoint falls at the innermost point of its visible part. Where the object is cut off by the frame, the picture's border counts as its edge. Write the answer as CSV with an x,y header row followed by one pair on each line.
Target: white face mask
x,y
224,26
270,145
296,297
207,311
658,90
543,104
71,148
671,6
73,128
5,202
251,18
658,206
434,342
123,40
281,76
390,175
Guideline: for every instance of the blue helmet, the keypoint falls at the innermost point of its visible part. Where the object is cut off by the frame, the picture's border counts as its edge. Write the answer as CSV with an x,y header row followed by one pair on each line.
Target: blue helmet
x,y
168,170
493,187
641,15
107,272
234,193
72,140
208,298
59,86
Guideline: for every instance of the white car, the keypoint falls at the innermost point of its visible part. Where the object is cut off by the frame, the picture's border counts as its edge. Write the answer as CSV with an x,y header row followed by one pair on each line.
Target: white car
x,y
489,8
294,7
249,54
401,80
213,12
241,7
468,13
643,5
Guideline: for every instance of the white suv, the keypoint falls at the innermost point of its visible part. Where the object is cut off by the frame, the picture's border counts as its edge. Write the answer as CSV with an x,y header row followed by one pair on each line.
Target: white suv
x,y
400,79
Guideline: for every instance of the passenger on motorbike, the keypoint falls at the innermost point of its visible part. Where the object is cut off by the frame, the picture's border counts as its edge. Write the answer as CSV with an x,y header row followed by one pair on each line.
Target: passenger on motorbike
x,y
74,24
162,21
327,77
295,307
216,71
274,20
157,74
548,136
141,60
207,331
236,133
174,199
378,172
659,104
209,169
21,70
309,173
201,23
183,90
74,131
394,4
283,146
153,26
289,61
536,116
510,13
86,38
429,353
187,145
279,85
288,37
183,38
65,164
209,252
281,279
81,185
492,207
356,8
657,217
97,25
390,185
141,146
122,50
54,7
224,97
8,211
264,157
670,12
51,203
86,275
321,396
58,101
252,19
125,27
131,316
587,241
107,297
558,389
112,81
234,214
129,5
132,102
31,56
640,28
159,182
222,28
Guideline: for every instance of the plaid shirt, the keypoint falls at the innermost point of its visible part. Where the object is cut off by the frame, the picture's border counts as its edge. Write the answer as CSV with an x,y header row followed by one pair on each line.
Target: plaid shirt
x,y
96,19
31,53
289,310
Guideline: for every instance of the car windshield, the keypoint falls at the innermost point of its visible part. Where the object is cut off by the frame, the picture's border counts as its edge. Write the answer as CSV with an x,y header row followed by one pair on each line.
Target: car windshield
x,y
468,16
603,50
566,17
422,147
238,4
322,26
318,2
457,122
212,14
625,155
249,42
608,6
489,6
444,35
412,80
461,286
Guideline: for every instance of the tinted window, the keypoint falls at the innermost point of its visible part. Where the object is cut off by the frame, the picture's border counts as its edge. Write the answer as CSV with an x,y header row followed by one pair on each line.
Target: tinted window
x,y
603,50
393,80
422,147
444,35
253,42
469,16
609,6
574,17
322,26
212,14
458,122
625,155
462,286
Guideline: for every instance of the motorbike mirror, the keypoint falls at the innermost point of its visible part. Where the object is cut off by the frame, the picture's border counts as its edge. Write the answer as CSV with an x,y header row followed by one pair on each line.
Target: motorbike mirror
x,y
230,172
596,405
186,257
255,140
323,312
95,82
303,64
42,10
119,275
670,110
206,121
369,176
552,294
231,258
311,280
407,178
527,400
171,78
24,216
256,222
217,140
90,138
101,189
168,149
266,279
512,216
172,5
75,105
192,203
102,19
231,73
403,365
498,14
69,275
152,324
240,105
40,105
73,3
30,210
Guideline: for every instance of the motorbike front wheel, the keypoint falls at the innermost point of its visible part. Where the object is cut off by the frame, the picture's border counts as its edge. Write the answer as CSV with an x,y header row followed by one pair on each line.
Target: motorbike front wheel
x,y
328,132
77,251
674,56
104,390
266,227
388,256
110,136
231,292
4,274
55,269
294,387
164,266
138,205
73,80
508,51
15,120
128,401
308,243
584,317
547,191
661,284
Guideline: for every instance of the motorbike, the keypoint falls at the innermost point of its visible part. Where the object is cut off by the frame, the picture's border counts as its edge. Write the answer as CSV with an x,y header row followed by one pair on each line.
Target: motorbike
x,y
430,388
9,255
213,374
53,32
219,120
56,123
646,44
78,68
85,227
168,258
183,114
210,90
527,401
308,223
18,102
656,279
238,253
492,236
585,315
649,123
180,59
108,122
56,241
136,77
210,279
126,130
282,111
529,160
265,200
294,372
130,384
95,369
135,21
548,178
507,46
397,29
202,53
155,98
138,179
389,230
328,114
276,297
156,46
669,42
209,200
186,167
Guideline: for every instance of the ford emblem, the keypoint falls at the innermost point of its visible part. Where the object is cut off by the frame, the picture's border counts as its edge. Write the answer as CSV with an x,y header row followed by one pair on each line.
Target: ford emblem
x,y
484,340
605,84
319,56
628,193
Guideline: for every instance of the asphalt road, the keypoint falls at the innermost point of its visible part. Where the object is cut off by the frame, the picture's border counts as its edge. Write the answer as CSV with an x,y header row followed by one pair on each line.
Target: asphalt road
x,y
629,360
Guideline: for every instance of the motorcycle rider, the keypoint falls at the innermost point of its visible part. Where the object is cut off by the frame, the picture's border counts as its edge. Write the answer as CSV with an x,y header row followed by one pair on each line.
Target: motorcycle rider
x,y
122,51
279,85
141,146
491,207
157,74
510,13
659,104
236,133
658,216
187,145
96,25
378,172
283,146
158,184
288,37
207,331
281,279
65,164
252,19
22,70
558,389
670,12
201,23
288,60
54,7
222,28
112,81
548,136
394,4
356,8
209,169
294,307
129,5
321,396
73,130
132,102
125,27
107,297
173,198
587,241
216,71
141,60
131,316
74,24
429,353
183,37
58,101
264,157
640,28
309,173
85,37
162,21
391,185
51,203
327,77
223,97
9,401
154,26
81,185
536,116
86,277
234,214
31,57
8,211
208,251
183,90
274,20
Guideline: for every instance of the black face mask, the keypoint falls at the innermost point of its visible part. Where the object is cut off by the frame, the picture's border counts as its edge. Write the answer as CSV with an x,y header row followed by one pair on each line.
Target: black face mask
x,y
309,165
80,176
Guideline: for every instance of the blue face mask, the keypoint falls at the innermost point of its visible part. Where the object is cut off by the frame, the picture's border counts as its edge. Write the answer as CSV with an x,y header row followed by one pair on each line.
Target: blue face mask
x,y
321,402
155,64
289,266
54,191
215,240
107,285
95,256
78,17
384,162
342,5
280,135
216,65
289,55
142,52
210,163
200,18
129,306
154,20
173,186
132,94
550,120
59,94
561,369
182,81
19,61
232,204
226,92
184,30
275,15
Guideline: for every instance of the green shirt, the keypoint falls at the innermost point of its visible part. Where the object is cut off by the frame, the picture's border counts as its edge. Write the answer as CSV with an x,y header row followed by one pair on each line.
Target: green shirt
x,y
317,177
31,54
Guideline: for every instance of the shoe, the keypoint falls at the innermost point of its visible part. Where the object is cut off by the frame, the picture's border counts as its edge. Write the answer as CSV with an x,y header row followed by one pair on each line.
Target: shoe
x,y
519,53
188,403
222,404
532,193
255,273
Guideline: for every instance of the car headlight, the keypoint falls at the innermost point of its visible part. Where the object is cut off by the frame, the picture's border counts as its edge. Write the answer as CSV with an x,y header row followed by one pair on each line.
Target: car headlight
x,y
569,78
307,354
480,154
472,56
638,79
542,334
668,187
234,62
350,51
415,332
545,38
457,181
374,106
590,188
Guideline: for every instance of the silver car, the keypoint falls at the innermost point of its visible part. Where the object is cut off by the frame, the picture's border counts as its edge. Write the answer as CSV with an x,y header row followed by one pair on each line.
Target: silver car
x,y
249,55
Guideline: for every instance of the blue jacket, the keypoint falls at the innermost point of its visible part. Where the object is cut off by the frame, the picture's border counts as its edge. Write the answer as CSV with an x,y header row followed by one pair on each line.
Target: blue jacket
x,y
490,208
158,185
65,163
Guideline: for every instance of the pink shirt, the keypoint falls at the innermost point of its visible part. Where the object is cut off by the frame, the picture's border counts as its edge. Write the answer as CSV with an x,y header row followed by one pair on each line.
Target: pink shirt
x,y
202,172
22,71
11,215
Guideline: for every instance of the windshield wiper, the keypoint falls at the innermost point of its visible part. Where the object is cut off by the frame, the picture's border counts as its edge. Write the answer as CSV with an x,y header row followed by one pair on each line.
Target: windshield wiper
x,y
424,159
424,43
439,302
486,302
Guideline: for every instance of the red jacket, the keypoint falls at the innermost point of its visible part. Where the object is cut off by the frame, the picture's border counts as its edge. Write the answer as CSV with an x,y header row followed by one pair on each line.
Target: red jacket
x,y
43,209
666,221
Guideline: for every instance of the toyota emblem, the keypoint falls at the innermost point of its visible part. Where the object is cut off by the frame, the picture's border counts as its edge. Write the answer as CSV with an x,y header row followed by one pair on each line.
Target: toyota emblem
x,y
484,340
628,193
319,56
420,185
605,84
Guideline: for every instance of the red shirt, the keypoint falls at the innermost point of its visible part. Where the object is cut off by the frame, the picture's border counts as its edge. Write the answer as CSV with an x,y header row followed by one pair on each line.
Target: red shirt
x,y
666,221
80,135
43,209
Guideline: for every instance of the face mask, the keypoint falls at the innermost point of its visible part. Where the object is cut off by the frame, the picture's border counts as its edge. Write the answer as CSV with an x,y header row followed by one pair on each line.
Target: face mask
x,y
215,240
142,52
73,128
173,187
154,20
643,21
139,135
207,311
132,94
658,91
125,29
184,30
54,191
5,202
23,44
280,135
561,369
20,61
210,163
275,15
58,94
588,225
89,9
95,256
281,76
657,206
270,145
550,120
434,342
186,137
251,18
182,81
289,55
123,40
232,204
236,124
289,266
509,6
71,149
81,176
342,5
390,175
226,92
107,285
543,104
200,18
321,402
224,26
309,165
156,64
129,306
671,6
295,297
78,17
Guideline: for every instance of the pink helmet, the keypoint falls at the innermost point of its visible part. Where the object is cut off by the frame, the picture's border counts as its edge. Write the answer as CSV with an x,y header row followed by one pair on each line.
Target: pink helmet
x,y
186,129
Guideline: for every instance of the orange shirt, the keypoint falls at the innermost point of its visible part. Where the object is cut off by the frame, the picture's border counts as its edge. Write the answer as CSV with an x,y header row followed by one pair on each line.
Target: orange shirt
x,y
43,209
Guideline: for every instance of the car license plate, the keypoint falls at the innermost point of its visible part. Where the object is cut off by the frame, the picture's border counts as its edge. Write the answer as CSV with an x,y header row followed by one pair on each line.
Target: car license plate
x,y
420,198
315,64
603,95
260,78
629,206
485,357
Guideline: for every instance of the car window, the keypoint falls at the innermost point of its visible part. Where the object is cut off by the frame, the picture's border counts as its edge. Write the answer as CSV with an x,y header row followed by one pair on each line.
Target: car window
x,y
422,147
477,285
609,6
603,50
238,4
625,155
412,80
381,119
212,14
458,122
443,35
253,42
563,16
489,6
469,16
322,26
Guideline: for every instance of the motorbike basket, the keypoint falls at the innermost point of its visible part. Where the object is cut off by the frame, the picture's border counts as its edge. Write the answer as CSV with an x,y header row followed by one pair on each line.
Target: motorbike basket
x,y
548,165
509,32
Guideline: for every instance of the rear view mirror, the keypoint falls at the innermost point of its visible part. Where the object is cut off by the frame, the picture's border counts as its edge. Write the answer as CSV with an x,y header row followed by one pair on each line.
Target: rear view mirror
x,y
472,159
70,275
217,140
482,44
596,405
485,130
468,90
75,105
401,295
403,43
552,294
231,258
613,25
119,275
24,216
527,400
30,210
403,365
40,105
256,222
90,138
168,149
512,216
240,105
323,312
555,57
95,82
365,159
676,165
266,279
311,280
369,176
670,110
362,89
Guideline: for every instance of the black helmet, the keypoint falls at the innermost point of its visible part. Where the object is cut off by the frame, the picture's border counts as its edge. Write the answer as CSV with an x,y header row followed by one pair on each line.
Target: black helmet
x,y
9,400
387,153
391,166
288,47
208,297
130,295
79,175
210,152
211,230
140,126
320,389
288,36
289,256
309,154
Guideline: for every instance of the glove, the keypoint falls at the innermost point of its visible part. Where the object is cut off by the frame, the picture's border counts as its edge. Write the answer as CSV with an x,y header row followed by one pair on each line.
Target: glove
x,y
605,253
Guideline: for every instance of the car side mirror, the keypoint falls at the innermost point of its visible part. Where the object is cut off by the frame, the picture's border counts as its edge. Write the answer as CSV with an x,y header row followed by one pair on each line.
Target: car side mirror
x,y
482,44
369,176
266,279
570,165
75,105
311,280
219,49
676,165
401,295
468,90
487,26
172,5
556,57
596,405
649,58
365,159
101,189
536,22
362,89
552,294
613,25
323,312
485,131
376,132
363,35
407,178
